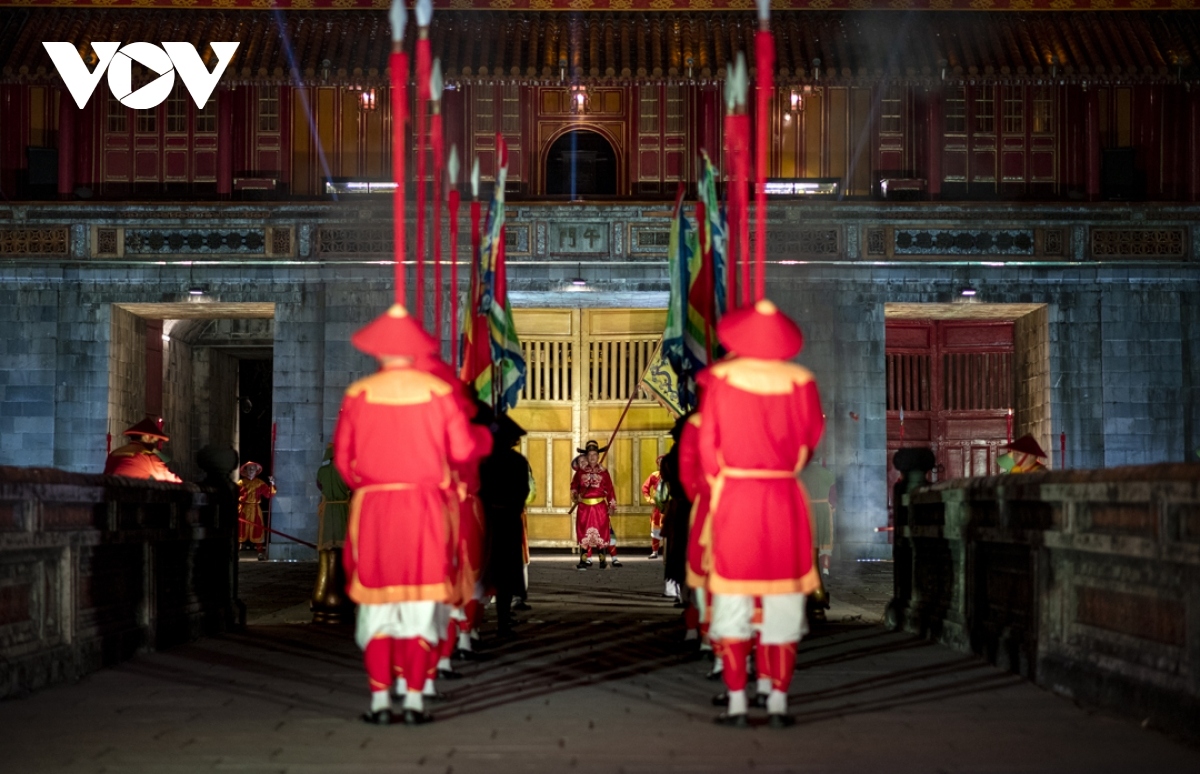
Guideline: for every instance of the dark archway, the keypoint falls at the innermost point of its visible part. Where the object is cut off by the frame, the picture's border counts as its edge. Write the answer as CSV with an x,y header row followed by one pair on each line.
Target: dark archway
x,y
581,163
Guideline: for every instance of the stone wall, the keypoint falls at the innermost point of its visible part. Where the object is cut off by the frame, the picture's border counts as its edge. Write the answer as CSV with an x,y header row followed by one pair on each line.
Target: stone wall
x,y
94,569
1123,379
1087,582
126,373
179,399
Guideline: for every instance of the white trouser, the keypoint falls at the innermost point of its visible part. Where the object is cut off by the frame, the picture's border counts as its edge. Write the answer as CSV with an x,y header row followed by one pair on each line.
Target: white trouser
x,y
399,620
782,618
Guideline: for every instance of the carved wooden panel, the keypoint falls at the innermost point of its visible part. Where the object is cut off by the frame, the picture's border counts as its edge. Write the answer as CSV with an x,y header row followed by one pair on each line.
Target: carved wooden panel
x,y
29,242
1139,243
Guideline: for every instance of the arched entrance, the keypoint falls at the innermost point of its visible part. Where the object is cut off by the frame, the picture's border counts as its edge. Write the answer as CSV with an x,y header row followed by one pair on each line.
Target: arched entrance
x,y
581,163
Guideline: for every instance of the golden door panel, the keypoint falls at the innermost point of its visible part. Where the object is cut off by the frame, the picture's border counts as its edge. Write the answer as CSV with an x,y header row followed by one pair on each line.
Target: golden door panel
x,y
582,367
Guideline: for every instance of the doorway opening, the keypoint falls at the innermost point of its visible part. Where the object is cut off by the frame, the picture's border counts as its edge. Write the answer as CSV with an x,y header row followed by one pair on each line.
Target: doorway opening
x,y
582,368
205,368
964,380
579,164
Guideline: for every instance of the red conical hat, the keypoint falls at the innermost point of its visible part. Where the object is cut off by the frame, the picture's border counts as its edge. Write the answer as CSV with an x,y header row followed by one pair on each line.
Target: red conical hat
x,y
760,331
148,426
251,464
1026,445
394,334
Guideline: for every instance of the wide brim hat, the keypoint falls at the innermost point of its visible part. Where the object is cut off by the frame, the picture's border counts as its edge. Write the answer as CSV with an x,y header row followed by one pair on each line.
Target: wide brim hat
x,y
395,333
258,468
148,426
1026,445
760,331
592,446
507,431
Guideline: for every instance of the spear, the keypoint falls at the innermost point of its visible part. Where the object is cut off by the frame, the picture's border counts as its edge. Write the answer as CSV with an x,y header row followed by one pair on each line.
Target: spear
x,y
398,72
424,55
437,143
452,174
764,54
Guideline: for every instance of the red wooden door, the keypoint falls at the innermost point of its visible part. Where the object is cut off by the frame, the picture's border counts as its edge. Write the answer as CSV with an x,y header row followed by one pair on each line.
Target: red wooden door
x,y
949,387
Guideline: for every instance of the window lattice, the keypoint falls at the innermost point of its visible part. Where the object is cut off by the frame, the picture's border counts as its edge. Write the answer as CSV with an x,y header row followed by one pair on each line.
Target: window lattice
x,y
510,117
177,111
977,381
890,117
908,380
615,367
116,116
147,121
985,108
549,373
1014,110
675,117
956,110
206,118
268,110
648,109
483,107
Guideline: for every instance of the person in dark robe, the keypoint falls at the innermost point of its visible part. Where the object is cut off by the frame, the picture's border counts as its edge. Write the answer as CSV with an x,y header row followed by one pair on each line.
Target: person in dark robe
x,y
676,514
504,486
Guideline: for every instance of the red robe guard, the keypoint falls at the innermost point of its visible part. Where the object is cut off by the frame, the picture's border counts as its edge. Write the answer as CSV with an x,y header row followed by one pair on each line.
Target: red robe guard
x,y
593,494
650,495
760,421
139,458
252,491
399,433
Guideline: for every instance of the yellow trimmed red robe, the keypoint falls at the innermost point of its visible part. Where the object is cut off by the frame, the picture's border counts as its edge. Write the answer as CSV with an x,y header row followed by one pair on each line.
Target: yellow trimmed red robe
x,y
251,493
398,434
760,421
650,495
691,475
594,493
136,460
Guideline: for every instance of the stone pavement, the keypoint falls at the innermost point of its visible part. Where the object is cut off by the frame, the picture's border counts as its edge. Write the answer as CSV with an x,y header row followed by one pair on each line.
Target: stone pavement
x,y
595,682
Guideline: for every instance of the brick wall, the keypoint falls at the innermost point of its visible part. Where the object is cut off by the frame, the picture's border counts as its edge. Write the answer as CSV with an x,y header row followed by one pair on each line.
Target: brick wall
x,y
126,373
179,395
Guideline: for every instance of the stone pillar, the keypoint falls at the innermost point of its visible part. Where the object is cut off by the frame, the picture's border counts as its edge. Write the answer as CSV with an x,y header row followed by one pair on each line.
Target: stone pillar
x,y
68,116
1091,144
224,143
933,159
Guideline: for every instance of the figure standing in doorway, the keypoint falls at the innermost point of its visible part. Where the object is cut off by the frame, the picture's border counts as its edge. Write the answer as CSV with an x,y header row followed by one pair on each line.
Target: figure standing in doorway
x,y
329,602
504,488
651,494
594,497
252,492
760,421
399,433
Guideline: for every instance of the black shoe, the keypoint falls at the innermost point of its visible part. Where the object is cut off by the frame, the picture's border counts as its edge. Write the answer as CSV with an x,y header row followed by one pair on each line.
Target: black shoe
x,y
721,699
616,562
779,720
713,675
465,655
582,565
436,696
449,674
733,721
759,701
522,606
416,717
381,717
653,555
262,557
680,604
603,563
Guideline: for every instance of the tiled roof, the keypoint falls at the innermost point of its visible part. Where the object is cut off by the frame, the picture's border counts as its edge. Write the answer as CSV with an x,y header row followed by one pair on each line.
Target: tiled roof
x,y
352,46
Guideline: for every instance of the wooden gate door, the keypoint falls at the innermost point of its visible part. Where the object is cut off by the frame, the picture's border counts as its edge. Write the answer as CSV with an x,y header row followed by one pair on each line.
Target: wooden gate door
x,y
949,387
582,367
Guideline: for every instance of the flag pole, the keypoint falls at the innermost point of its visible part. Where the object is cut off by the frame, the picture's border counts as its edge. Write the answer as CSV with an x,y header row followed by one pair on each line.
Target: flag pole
x,y
398,73
764,53
437,144
424,54
452,172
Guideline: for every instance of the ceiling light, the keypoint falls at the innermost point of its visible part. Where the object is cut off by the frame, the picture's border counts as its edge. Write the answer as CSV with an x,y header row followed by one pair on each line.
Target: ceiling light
x,y
196,291
969,292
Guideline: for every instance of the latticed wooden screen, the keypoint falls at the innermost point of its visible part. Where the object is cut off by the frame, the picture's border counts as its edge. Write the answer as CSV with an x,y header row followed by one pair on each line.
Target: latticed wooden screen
x,y
549,370
615,367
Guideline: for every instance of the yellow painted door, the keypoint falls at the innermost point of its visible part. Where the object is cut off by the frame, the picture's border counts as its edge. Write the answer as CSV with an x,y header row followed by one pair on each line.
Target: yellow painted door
x,y
582,367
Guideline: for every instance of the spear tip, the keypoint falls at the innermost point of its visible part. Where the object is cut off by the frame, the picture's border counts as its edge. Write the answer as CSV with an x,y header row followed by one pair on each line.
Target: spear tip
x,y
424,12
397,15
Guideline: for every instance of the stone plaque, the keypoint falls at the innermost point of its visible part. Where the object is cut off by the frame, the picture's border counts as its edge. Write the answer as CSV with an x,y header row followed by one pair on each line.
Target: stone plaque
x,y
586,237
